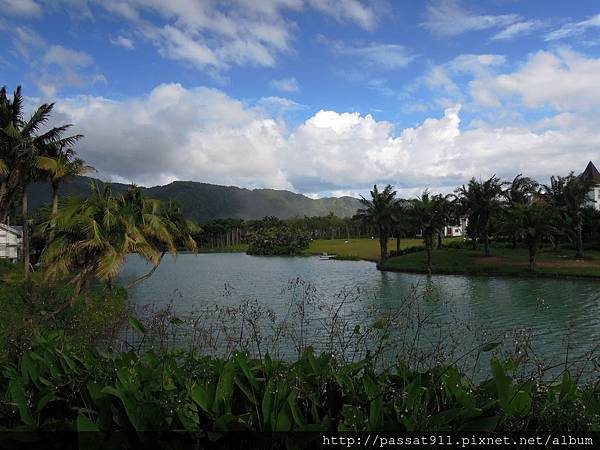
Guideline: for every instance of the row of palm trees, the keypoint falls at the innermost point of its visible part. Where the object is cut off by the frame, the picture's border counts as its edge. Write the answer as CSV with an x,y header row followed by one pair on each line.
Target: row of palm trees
x,y
28,155
521,209
85,238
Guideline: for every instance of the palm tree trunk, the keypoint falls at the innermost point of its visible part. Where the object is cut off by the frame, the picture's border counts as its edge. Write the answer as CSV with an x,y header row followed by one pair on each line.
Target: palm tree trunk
x,y
439,240
54,209
398,244
486,243
26,257
383,241
147,275
579,254
3,202
428,245
532,255
54,199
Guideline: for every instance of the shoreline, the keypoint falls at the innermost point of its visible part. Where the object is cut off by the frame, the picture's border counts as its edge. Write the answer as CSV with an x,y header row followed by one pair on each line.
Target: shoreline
x,y
556,276
524,274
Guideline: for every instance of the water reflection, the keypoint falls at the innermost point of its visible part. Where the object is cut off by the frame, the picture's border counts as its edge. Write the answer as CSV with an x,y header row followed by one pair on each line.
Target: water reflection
x,y
460,308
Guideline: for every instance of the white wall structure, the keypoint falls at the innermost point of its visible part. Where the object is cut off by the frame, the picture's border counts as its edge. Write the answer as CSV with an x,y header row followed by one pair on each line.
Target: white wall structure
x,y
11,241
591,173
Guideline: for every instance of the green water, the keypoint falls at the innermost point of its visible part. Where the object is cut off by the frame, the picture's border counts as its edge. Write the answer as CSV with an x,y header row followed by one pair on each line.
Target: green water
x,y
550,320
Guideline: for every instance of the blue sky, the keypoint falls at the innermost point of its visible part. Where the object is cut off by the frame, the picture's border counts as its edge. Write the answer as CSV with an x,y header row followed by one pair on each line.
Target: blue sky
x,y
324,97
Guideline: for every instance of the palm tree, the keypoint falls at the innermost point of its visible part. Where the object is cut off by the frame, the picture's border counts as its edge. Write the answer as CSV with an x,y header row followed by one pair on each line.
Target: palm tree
x,y
569,196
20,146
534,223
381,212
481,201
60,164
401,224
518,193
176,227
93,236
430,215
576,197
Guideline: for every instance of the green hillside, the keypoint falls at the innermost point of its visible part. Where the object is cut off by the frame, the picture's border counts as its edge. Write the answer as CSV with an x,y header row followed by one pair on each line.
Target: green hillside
x,y
203,202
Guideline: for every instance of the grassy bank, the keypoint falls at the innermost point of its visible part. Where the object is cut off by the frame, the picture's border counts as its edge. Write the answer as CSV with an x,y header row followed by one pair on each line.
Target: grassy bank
x,y
239,248
33,308
367,249
504,261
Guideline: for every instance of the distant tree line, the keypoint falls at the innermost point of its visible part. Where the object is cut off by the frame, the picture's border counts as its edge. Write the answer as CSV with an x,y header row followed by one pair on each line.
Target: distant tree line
x,y
521,211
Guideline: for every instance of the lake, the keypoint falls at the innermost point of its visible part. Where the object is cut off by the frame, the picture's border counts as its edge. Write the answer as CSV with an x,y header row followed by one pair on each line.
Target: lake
x,y
286,303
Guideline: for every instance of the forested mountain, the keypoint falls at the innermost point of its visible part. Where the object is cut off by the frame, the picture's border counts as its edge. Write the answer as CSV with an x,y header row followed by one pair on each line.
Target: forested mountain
x,y
203,202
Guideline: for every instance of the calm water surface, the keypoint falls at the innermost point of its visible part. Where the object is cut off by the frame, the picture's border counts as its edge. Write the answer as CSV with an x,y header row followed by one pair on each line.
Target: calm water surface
x,y
558,315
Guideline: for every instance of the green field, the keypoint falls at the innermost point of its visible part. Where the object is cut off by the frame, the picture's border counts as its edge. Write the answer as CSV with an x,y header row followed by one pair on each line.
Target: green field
x,y
367,249
504,261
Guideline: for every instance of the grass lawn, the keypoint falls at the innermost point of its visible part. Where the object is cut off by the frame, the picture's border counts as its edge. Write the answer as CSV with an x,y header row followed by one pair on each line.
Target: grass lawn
x,y
239,248
356,248
504,261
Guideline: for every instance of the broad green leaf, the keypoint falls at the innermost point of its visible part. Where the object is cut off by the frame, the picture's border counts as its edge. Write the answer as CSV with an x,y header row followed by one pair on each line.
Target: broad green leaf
x,y
137,325
84,424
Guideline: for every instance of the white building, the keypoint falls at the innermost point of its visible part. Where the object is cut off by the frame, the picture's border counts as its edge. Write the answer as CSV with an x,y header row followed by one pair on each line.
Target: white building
x,y
11,242
591,173
458,229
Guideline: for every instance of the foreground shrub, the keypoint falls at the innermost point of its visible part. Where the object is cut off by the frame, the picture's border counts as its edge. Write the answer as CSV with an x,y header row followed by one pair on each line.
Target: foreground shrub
x,y
55,387
277,241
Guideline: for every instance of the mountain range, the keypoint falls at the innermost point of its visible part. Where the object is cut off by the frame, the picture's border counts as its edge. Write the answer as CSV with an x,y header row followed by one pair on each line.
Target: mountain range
x,y
203,202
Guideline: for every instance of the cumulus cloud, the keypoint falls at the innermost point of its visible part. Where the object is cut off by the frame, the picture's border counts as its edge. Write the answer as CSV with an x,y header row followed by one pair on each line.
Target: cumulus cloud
x,y
561,79
450,18
202,134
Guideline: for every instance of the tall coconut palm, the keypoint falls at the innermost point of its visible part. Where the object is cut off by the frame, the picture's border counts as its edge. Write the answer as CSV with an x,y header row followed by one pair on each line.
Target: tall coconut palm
x,y
20,146
380,212
569,196
534,223
430,214
481,200
181,231
576,196
93,236
520,191
59,164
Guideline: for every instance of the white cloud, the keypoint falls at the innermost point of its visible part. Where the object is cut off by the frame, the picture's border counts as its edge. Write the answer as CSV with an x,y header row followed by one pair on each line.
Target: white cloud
x,y
517,29
375,54
202,134
124,42
53,67
66,57
285,84
211,36
347,10
215,36
26,8
450,18
572,29
564,80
